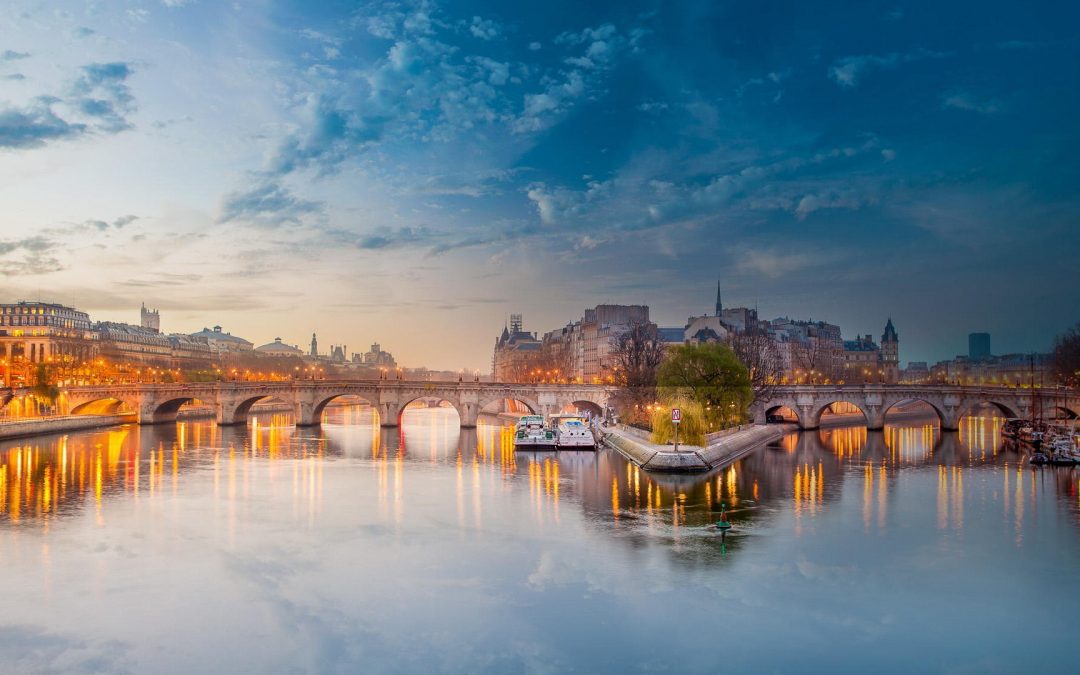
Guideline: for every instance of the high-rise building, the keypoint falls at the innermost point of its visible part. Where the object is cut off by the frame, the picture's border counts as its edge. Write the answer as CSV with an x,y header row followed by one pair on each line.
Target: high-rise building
x,y
978,346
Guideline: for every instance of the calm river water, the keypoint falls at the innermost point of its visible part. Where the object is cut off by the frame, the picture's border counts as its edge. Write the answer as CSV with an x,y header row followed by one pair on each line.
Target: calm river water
x,y
192,548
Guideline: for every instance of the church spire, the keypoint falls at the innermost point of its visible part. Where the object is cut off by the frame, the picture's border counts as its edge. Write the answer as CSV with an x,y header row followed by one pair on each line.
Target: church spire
x,y
719,305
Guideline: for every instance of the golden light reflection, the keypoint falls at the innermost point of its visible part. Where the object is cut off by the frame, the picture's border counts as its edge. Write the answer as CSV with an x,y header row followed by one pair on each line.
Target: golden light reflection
x,y
845,442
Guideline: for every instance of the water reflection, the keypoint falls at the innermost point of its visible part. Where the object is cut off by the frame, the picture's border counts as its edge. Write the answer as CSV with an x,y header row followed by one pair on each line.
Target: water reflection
x,y
44,478
450,537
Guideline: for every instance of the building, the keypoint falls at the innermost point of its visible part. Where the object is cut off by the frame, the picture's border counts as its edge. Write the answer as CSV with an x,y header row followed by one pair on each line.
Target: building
x,y
978,346
917,372
516,353
721,324
810,351
222,343
128,344
150,319
190,353
36,332
1010,370
890,353
862,357
279,348
375,358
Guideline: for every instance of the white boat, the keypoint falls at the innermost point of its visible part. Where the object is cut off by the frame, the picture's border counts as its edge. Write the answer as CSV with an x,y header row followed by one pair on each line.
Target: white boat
x,y
1062,451
571,432
531,433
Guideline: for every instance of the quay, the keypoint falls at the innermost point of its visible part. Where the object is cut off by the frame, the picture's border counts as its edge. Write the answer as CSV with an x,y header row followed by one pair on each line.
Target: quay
x,y
722,448
41,426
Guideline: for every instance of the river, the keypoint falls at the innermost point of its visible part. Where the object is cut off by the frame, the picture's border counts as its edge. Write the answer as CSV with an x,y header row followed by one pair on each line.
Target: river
x,y
348,548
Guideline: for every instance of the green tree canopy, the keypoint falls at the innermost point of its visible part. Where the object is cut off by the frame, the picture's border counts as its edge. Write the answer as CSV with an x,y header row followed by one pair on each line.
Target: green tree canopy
x,y
709,374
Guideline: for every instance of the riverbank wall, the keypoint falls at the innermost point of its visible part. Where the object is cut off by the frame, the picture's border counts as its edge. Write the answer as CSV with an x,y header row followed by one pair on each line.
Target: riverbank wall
x,y
41,426
723,448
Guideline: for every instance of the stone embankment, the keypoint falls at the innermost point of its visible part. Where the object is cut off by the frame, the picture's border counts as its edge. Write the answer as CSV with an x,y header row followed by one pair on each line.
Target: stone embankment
x,y
723,447
38,426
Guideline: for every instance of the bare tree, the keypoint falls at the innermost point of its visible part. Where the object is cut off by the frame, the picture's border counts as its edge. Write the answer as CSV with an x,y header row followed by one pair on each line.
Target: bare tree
x,y
637,353
810,356
761,356
1065,359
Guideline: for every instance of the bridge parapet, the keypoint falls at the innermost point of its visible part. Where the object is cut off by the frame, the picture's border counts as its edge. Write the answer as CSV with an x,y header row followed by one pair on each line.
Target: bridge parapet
x,y
232,401
950,402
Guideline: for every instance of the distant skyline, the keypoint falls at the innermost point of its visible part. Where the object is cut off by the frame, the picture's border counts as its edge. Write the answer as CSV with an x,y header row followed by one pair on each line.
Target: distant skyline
x,y
411,173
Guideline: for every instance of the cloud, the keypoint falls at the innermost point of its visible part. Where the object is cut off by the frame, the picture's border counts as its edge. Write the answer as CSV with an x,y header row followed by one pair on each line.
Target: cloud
x,y
101,93
35,126
117,224
771,263
98,100
849,71
598,52
9,55
395,238
484,29
963,100
267,203
534,46
31,255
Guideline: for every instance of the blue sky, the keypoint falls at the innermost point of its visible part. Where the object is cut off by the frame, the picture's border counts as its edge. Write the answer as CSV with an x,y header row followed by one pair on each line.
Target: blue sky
x,y
412,172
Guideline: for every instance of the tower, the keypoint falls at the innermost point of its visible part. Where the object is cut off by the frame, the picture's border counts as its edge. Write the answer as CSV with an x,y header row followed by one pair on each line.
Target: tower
x,y
719,305
890,353
314,346
149,318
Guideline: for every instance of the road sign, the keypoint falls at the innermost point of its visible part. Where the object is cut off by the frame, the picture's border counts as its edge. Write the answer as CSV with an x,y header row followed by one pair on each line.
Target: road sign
x,y
676,415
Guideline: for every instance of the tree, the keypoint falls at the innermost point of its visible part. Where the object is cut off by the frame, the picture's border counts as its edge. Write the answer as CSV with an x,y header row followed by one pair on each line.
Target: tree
x,y
759,353
1065,360
43,386
637,353
709,374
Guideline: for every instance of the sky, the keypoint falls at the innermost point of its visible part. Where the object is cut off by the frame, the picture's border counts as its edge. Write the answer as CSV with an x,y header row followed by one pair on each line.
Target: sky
x,y
411,173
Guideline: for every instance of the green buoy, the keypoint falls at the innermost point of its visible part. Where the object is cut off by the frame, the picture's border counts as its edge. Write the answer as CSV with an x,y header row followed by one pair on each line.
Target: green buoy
x,y
723,525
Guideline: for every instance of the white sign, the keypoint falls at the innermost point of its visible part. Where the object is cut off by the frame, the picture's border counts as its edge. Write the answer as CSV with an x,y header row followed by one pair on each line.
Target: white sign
x,y
676,415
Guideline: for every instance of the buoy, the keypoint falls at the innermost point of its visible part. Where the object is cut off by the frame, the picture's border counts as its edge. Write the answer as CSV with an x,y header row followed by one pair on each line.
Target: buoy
x,y
722,524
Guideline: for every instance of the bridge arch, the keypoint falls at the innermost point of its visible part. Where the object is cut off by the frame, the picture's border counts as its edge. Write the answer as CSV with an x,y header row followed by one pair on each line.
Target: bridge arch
x,y
239,413
783,410
813,421
463,410
319,408
534,407
595,409
1069,413
167,411
1005,410
943,417
106,405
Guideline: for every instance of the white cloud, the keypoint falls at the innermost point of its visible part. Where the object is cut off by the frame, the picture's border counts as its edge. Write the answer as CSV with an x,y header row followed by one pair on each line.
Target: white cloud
x,y
484,29
963,100
849,71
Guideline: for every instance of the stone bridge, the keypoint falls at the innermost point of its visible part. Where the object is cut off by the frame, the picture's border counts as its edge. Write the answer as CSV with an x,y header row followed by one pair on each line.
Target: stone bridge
x,y
950,402
232,401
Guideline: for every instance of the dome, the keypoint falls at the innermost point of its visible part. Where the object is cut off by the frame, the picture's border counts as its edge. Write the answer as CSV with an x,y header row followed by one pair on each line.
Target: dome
x,y
279,348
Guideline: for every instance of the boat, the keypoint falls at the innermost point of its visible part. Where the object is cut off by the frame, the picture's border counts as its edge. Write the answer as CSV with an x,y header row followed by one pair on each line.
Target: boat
x,y
572,433
1061,451
1011,427
531,434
